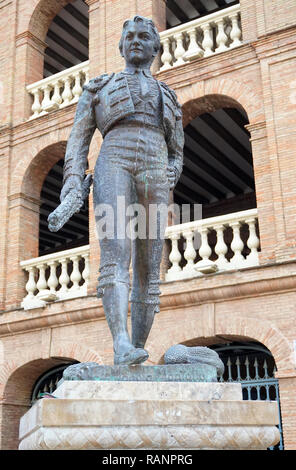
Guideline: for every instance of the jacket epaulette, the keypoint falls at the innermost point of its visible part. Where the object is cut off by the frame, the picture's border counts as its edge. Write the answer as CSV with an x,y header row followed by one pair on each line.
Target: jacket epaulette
x,y
97,83
171,92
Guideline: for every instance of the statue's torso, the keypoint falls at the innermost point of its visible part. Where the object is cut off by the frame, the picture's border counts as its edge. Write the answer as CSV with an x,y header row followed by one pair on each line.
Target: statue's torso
x,y
120,100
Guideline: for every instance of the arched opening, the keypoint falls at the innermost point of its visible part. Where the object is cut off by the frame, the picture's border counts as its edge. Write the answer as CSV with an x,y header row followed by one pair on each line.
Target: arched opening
x,y
47,383
215,193
183,11
75,232
218,164
49,277
18,395
251,364
67,38
61,30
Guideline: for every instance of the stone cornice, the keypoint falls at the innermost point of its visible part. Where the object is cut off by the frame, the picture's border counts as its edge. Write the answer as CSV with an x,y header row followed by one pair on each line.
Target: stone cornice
x,y
22,196
257,130
42,125
26,36
232,285
268,45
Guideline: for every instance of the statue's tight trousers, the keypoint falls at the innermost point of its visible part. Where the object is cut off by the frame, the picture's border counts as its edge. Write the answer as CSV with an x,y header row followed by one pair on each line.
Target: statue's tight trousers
x,y
131,168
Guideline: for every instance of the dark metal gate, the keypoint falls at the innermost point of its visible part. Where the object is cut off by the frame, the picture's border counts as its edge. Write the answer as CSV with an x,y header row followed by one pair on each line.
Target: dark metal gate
x,y
253,366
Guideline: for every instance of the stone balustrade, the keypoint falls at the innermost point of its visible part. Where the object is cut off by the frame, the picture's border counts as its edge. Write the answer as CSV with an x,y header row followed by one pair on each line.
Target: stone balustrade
x,y
58,276
210,245
200,247
58,90
211,34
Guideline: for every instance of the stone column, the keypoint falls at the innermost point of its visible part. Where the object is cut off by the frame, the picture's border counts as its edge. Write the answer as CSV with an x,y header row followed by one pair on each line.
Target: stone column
x,y
264,191
23,235
5,140
30,57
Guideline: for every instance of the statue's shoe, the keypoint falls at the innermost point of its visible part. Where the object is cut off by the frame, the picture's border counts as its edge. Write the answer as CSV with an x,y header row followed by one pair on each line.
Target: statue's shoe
x,y
132,356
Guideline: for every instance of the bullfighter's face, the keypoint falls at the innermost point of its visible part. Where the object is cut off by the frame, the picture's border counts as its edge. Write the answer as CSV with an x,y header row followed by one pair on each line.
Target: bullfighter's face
x,y
138,44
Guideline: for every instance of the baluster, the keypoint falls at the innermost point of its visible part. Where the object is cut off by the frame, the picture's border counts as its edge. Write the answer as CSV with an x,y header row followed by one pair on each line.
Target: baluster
x,y
189,253
194,50
85,71
207,42
31,284
166,57
229,370
77,89
85,272
179,51
247,364
221,37
41,283
237,261
51,386
64,277
253,243
237,363
46,102
75,275
175,255
205,265
36,106
56,99
52,280
67,93
221,248
235,33
256,369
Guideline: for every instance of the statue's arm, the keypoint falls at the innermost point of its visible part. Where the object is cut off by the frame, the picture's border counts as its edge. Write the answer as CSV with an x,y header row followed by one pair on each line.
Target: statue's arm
x,y
78,144
175,151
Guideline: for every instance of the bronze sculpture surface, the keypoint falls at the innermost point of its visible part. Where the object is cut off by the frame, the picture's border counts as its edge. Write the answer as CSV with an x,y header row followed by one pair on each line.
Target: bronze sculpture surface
x,y
140,160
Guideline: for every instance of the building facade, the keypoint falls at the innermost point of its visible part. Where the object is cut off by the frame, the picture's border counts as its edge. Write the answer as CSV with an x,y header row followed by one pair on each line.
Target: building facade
x,y
229,276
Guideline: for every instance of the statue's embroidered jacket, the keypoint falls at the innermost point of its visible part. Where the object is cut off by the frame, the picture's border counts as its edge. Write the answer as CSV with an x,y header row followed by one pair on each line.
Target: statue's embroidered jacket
x,y
106,100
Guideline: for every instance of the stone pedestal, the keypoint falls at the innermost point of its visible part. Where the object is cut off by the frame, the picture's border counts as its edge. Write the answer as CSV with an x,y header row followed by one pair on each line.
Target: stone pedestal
x,y
148,415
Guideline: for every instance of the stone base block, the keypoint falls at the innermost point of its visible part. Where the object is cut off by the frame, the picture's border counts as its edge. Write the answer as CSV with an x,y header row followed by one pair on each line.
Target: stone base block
x,y
123,415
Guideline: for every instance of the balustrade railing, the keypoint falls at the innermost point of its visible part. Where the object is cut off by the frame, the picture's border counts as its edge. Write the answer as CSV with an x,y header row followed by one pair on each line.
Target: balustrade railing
x,y
59,90
58,276
210,245
211,34
197,248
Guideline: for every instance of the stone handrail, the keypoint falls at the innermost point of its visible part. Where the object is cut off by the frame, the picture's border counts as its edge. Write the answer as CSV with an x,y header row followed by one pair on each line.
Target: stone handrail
x,y
58,90
58,276
216,244
203,37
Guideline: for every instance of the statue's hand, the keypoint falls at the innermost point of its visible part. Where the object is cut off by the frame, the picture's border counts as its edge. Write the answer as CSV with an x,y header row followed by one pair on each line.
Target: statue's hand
x,y
171,174
72,182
